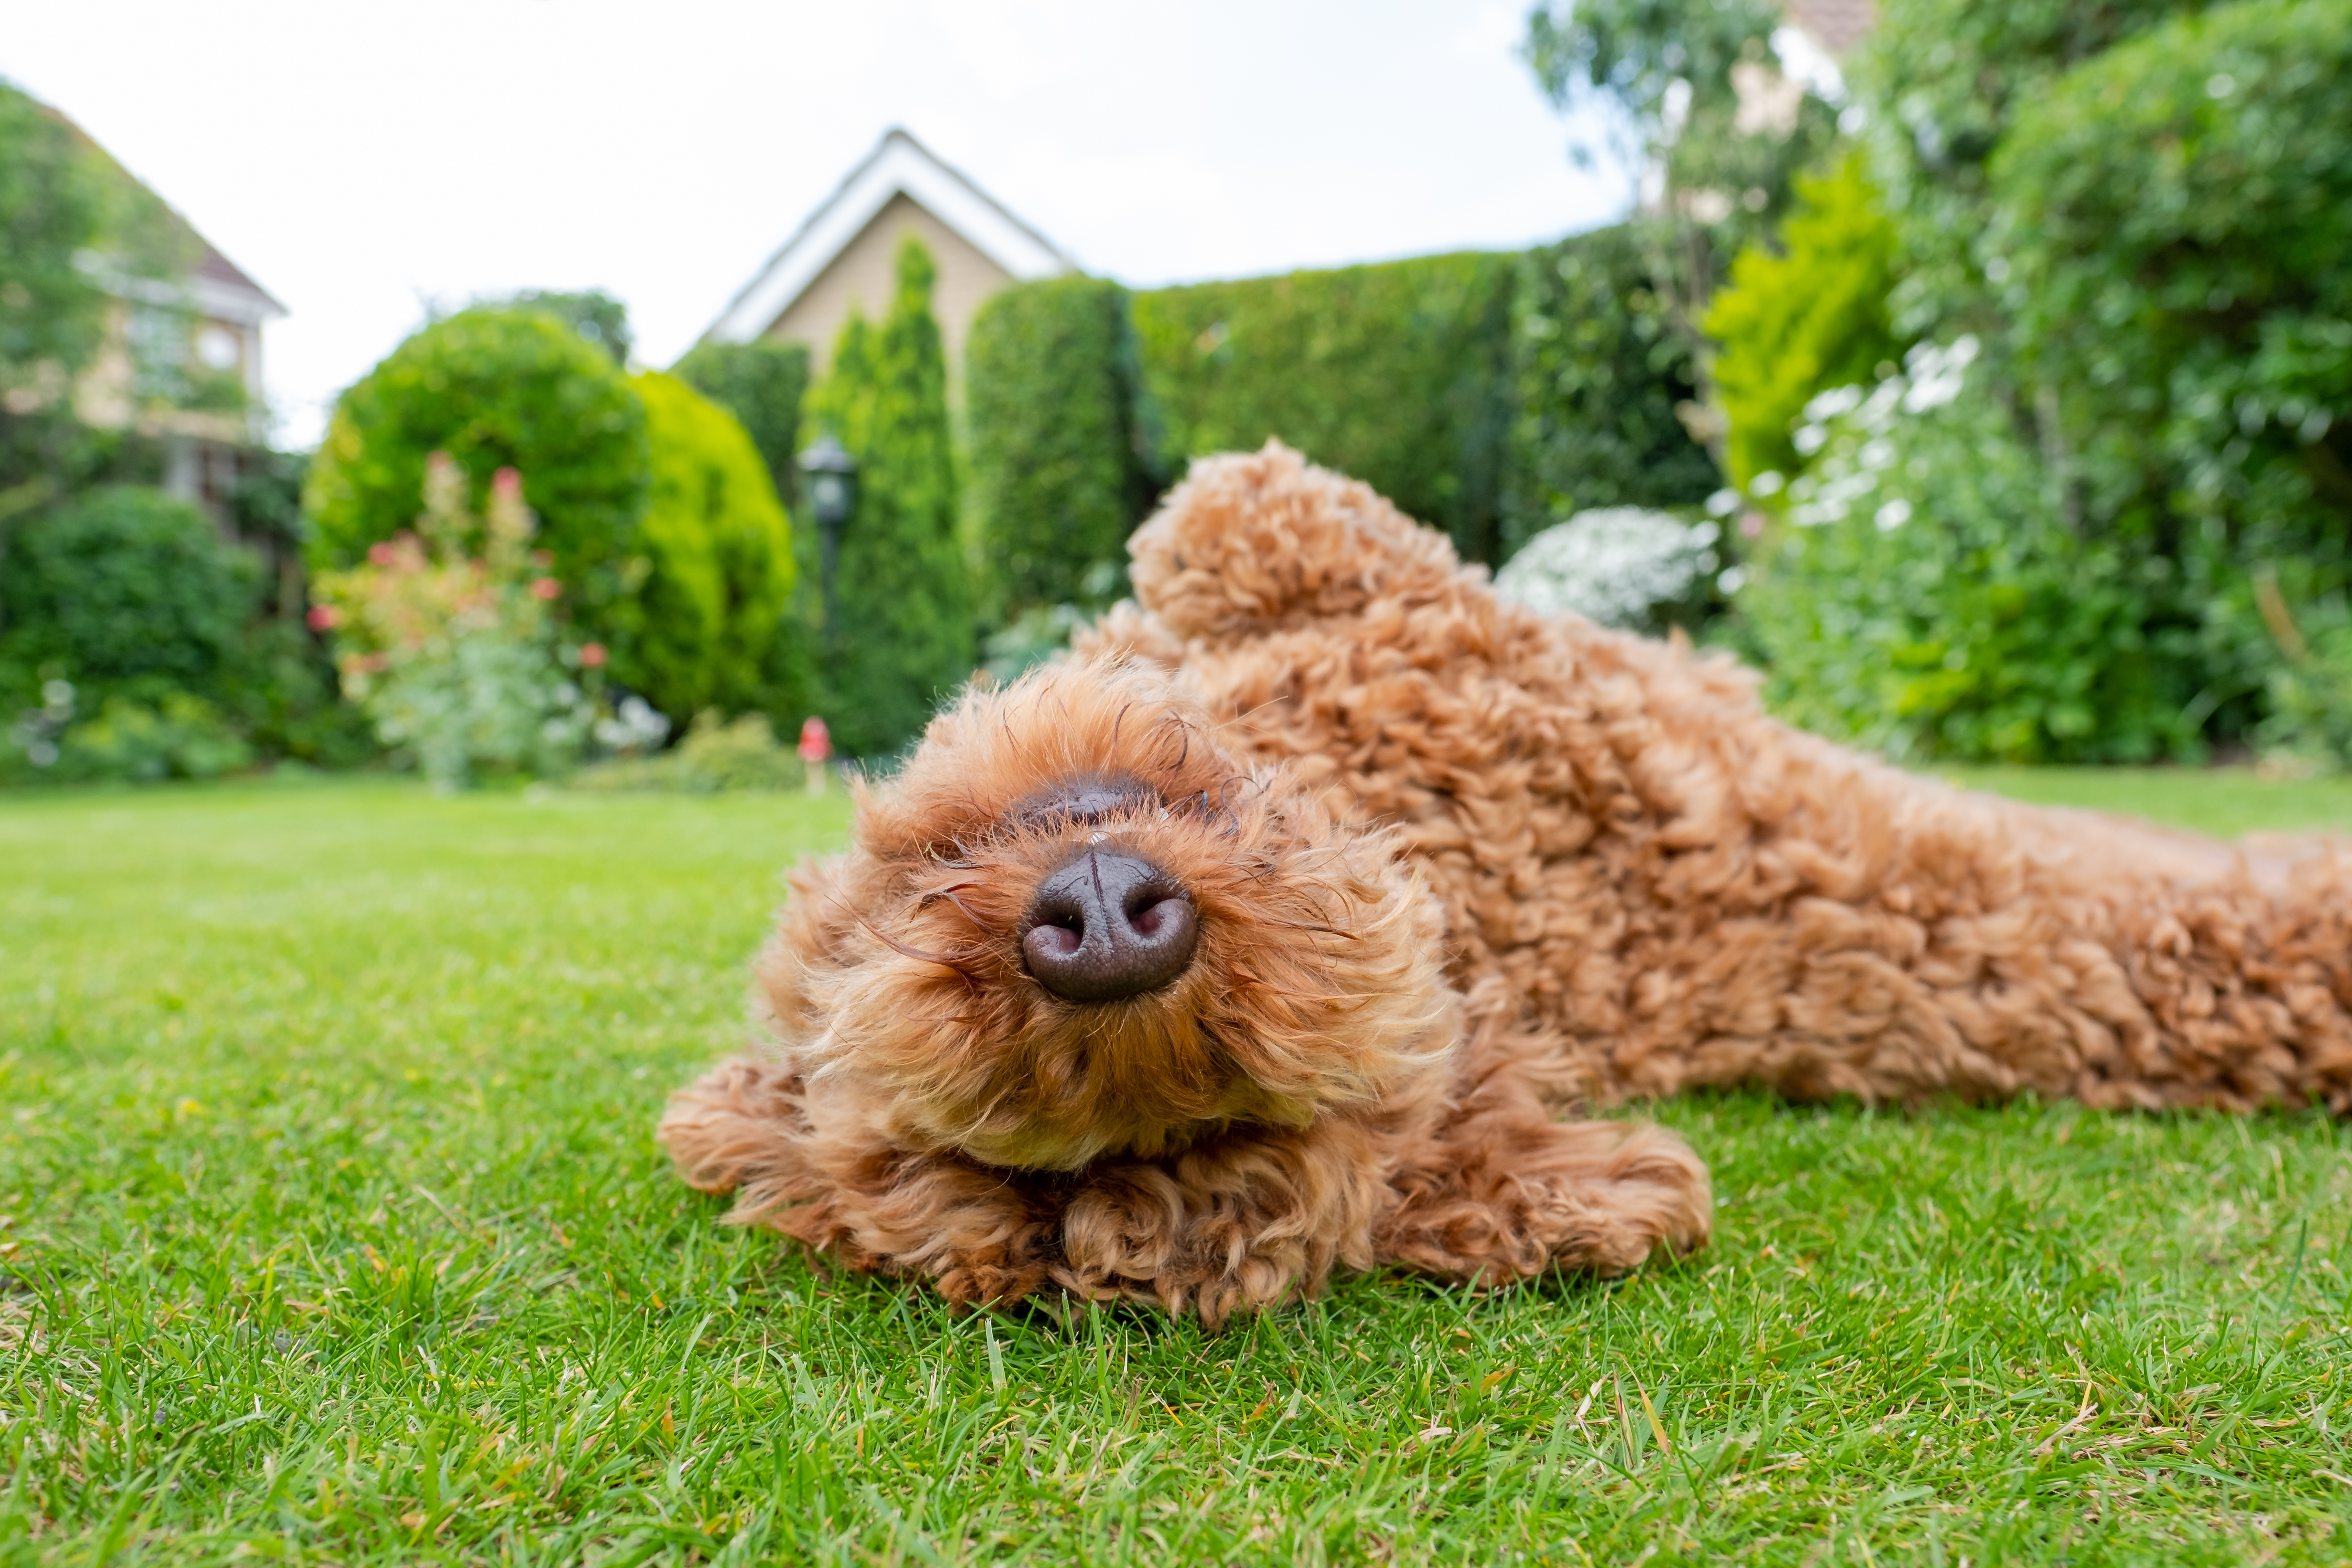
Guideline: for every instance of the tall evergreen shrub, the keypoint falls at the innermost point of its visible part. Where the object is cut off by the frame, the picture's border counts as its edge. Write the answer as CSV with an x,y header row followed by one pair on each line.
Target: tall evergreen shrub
x,y
900,638
763,386
717,596
1061,470
1395,373
1597,370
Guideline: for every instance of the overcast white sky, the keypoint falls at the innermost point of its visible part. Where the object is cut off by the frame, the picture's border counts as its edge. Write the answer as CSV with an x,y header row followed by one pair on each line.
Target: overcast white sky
x,y
362,160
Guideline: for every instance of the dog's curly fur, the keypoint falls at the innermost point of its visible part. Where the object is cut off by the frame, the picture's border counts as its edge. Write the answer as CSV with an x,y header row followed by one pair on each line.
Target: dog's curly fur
x,y
1458,868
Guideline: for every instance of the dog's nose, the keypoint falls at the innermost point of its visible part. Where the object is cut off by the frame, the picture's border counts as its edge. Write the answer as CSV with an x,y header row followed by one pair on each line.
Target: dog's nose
x,y
1109,925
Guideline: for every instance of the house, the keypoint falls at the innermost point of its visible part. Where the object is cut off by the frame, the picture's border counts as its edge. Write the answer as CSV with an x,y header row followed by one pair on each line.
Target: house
x,y
842,255
181,362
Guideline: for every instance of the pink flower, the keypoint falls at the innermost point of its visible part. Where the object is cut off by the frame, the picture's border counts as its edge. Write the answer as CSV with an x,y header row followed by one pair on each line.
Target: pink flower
x,y
322,617
545,588
381,554
816,742
592,654
507,482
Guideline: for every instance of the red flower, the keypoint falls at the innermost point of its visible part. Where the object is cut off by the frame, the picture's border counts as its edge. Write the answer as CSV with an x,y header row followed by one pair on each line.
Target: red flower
x,y
381,554
816,742
592,654
545,588
507,482
322,617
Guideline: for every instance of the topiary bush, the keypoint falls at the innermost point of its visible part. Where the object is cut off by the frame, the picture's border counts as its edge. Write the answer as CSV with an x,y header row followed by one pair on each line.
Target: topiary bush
x,y
902,636
1061,470
717,594
1597,373
763,386
1796,322
1396,374
495,389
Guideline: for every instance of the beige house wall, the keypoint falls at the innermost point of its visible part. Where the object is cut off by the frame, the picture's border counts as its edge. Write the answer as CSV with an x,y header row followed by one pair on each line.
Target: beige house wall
x,y
865,274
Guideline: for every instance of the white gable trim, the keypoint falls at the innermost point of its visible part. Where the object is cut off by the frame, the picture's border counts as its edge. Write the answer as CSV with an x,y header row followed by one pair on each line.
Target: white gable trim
x,y
899,164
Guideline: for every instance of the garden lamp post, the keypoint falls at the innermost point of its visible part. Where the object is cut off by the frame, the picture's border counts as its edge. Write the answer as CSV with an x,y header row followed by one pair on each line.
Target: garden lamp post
x,y
831,476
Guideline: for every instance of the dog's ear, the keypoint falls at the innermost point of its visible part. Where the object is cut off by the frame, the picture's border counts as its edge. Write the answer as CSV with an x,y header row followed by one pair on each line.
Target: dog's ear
x,y
1251,540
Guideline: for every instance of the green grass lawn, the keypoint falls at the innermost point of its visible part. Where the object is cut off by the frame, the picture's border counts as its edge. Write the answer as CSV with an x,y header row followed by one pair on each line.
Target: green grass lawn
x,y
335,1229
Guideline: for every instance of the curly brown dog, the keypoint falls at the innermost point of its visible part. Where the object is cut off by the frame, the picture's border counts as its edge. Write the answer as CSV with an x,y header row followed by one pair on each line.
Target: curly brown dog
x,y
1272,932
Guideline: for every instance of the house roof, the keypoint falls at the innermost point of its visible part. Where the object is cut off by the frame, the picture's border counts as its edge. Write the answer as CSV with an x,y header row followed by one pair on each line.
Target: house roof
x,y
899,164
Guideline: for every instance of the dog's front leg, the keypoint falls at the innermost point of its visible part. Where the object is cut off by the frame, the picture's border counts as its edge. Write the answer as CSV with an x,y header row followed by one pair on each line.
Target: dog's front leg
x,y
1508,1194
1246,1222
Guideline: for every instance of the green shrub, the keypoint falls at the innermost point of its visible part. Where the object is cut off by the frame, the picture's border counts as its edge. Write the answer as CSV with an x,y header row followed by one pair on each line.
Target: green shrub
x,y
762,384
181,737
1061,472
2177,219
1396,374
716,757
901,634
1597,373
1924,598
1813,316
126,590
495,389
719,592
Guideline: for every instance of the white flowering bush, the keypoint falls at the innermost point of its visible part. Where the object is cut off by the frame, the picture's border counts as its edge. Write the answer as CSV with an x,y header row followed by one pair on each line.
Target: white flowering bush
x,y
1620,565
1923,592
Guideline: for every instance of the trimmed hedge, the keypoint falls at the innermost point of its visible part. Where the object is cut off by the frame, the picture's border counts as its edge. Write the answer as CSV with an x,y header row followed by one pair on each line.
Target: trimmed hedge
x,y
717,597
495,389
1395,373
763,385
1597,372
1061,470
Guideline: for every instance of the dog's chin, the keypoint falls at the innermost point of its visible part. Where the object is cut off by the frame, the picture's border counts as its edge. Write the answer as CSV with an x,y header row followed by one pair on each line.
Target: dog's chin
x,y
1075,1138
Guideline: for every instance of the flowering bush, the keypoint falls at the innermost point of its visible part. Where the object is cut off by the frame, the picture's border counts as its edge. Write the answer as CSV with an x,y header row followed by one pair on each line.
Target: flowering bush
x,y
1925,596
456,658
716,756
1621,566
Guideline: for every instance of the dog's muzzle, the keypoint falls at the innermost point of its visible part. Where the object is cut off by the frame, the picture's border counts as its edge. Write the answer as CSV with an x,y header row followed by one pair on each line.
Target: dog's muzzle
x,y
1107,925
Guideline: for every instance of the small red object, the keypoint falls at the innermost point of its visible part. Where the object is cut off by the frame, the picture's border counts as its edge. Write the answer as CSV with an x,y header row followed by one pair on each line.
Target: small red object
x,y
592,654
816,740
546,588
322,617
380,554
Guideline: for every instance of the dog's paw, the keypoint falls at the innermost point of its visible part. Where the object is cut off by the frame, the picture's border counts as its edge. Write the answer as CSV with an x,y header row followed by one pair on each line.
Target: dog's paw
x,y
1521,1200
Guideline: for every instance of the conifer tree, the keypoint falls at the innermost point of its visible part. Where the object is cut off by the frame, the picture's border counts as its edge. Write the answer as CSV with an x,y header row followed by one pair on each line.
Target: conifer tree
x,y
900,636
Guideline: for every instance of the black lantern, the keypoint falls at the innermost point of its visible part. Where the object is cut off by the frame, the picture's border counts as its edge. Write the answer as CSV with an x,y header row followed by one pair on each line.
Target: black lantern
x,y
829,477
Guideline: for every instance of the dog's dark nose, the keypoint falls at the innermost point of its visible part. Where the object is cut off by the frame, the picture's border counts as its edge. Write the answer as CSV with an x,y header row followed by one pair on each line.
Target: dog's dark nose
x,y
1109,925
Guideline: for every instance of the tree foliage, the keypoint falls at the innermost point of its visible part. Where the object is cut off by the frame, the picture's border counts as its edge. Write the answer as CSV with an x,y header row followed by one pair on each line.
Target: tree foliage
x,y
1061,468
1804,319
495,389
51,206
717,598
900,636
762,384
596,316
1694,95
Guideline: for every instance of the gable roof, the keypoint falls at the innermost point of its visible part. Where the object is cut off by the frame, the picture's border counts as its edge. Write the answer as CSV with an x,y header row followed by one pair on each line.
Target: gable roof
x,y
898,163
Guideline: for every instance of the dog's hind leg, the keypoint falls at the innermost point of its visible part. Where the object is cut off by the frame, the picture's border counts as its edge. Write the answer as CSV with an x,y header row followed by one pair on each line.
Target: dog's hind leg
x,y
1508,1194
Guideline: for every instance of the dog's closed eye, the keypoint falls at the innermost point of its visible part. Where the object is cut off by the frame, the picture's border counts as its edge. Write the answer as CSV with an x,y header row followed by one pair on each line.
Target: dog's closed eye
x,y
1084,800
